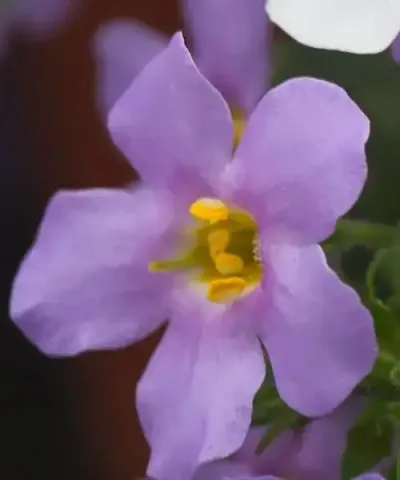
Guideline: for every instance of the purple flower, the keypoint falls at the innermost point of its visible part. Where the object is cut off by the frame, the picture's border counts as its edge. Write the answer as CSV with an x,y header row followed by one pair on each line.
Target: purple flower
x,y
234,58
311,453
41,17
37,18
226,249
396,49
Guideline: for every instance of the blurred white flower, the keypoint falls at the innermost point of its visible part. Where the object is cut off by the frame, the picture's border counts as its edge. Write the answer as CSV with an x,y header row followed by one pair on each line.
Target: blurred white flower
x,y
356,26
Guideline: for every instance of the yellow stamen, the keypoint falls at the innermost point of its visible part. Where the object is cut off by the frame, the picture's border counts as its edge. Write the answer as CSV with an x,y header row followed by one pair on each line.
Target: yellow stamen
x,y
228,264
226,290
218,241
209,209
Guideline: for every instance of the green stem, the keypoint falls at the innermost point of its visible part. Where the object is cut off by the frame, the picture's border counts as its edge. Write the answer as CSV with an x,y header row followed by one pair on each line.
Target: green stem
x,y
350,233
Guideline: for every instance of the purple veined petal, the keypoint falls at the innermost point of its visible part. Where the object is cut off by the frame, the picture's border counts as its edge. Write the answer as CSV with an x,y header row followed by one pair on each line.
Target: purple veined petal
x,y
324,441
252,477
42,17
195,397
301,162
223,469
123,48
172,124
320,339
396,49
359,26
235,58
85,285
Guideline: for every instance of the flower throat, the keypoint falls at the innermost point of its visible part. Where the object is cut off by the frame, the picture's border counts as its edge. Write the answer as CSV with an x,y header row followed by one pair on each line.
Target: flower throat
x,y
224,252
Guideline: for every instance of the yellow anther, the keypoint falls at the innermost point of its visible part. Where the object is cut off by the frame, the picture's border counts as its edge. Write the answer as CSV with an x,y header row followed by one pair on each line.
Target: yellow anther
x,y
218,241
226,290
228,264
209,209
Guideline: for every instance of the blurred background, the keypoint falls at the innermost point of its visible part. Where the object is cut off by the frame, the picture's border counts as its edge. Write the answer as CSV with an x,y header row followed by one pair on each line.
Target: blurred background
x,y
75,418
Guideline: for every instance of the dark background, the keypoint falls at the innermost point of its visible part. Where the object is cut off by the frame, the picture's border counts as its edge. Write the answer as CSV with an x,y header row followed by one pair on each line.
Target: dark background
x,y
62,419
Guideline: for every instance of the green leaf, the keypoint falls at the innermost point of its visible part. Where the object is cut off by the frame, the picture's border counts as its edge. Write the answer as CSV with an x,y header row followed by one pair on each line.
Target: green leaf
x,y
387,330
387,325
267,405
351,232
368,443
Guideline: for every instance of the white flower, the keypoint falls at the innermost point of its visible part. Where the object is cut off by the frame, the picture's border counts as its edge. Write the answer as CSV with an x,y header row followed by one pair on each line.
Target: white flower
x,y
356,26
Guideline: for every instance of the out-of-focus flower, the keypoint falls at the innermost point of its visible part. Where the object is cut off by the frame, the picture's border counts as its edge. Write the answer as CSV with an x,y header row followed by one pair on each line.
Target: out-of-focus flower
x,y
234,58
396,49
41,17
356,26
36,18
313,452
226,249
367,476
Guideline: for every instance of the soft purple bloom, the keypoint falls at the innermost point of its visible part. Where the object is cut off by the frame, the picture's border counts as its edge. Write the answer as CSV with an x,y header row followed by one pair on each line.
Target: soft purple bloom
x,y
366,476
396,49
234,58
123,48
312,453
86,283
230,40
36,18
41,17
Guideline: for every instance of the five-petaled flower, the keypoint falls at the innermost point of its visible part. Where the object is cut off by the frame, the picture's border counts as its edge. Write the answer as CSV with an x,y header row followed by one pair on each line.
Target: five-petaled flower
x,y
356,26
224,248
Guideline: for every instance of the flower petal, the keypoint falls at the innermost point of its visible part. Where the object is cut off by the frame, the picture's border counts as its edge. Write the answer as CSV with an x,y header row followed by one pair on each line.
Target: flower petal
x,y
223,470
301,163
195,398
85,283
324,441
123,48
359,26
396,49
234,58
251,477
319,337
171,123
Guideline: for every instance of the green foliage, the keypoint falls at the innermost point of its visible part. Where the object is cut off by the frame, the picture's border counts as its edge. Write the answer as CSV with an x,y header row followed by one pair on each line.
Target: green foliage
x,y
368,443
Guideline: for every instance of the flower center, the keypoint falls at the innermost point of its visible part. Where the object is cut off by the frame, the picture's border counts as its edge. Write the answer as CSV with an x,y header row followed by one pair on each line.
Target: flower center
x,y
224,252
